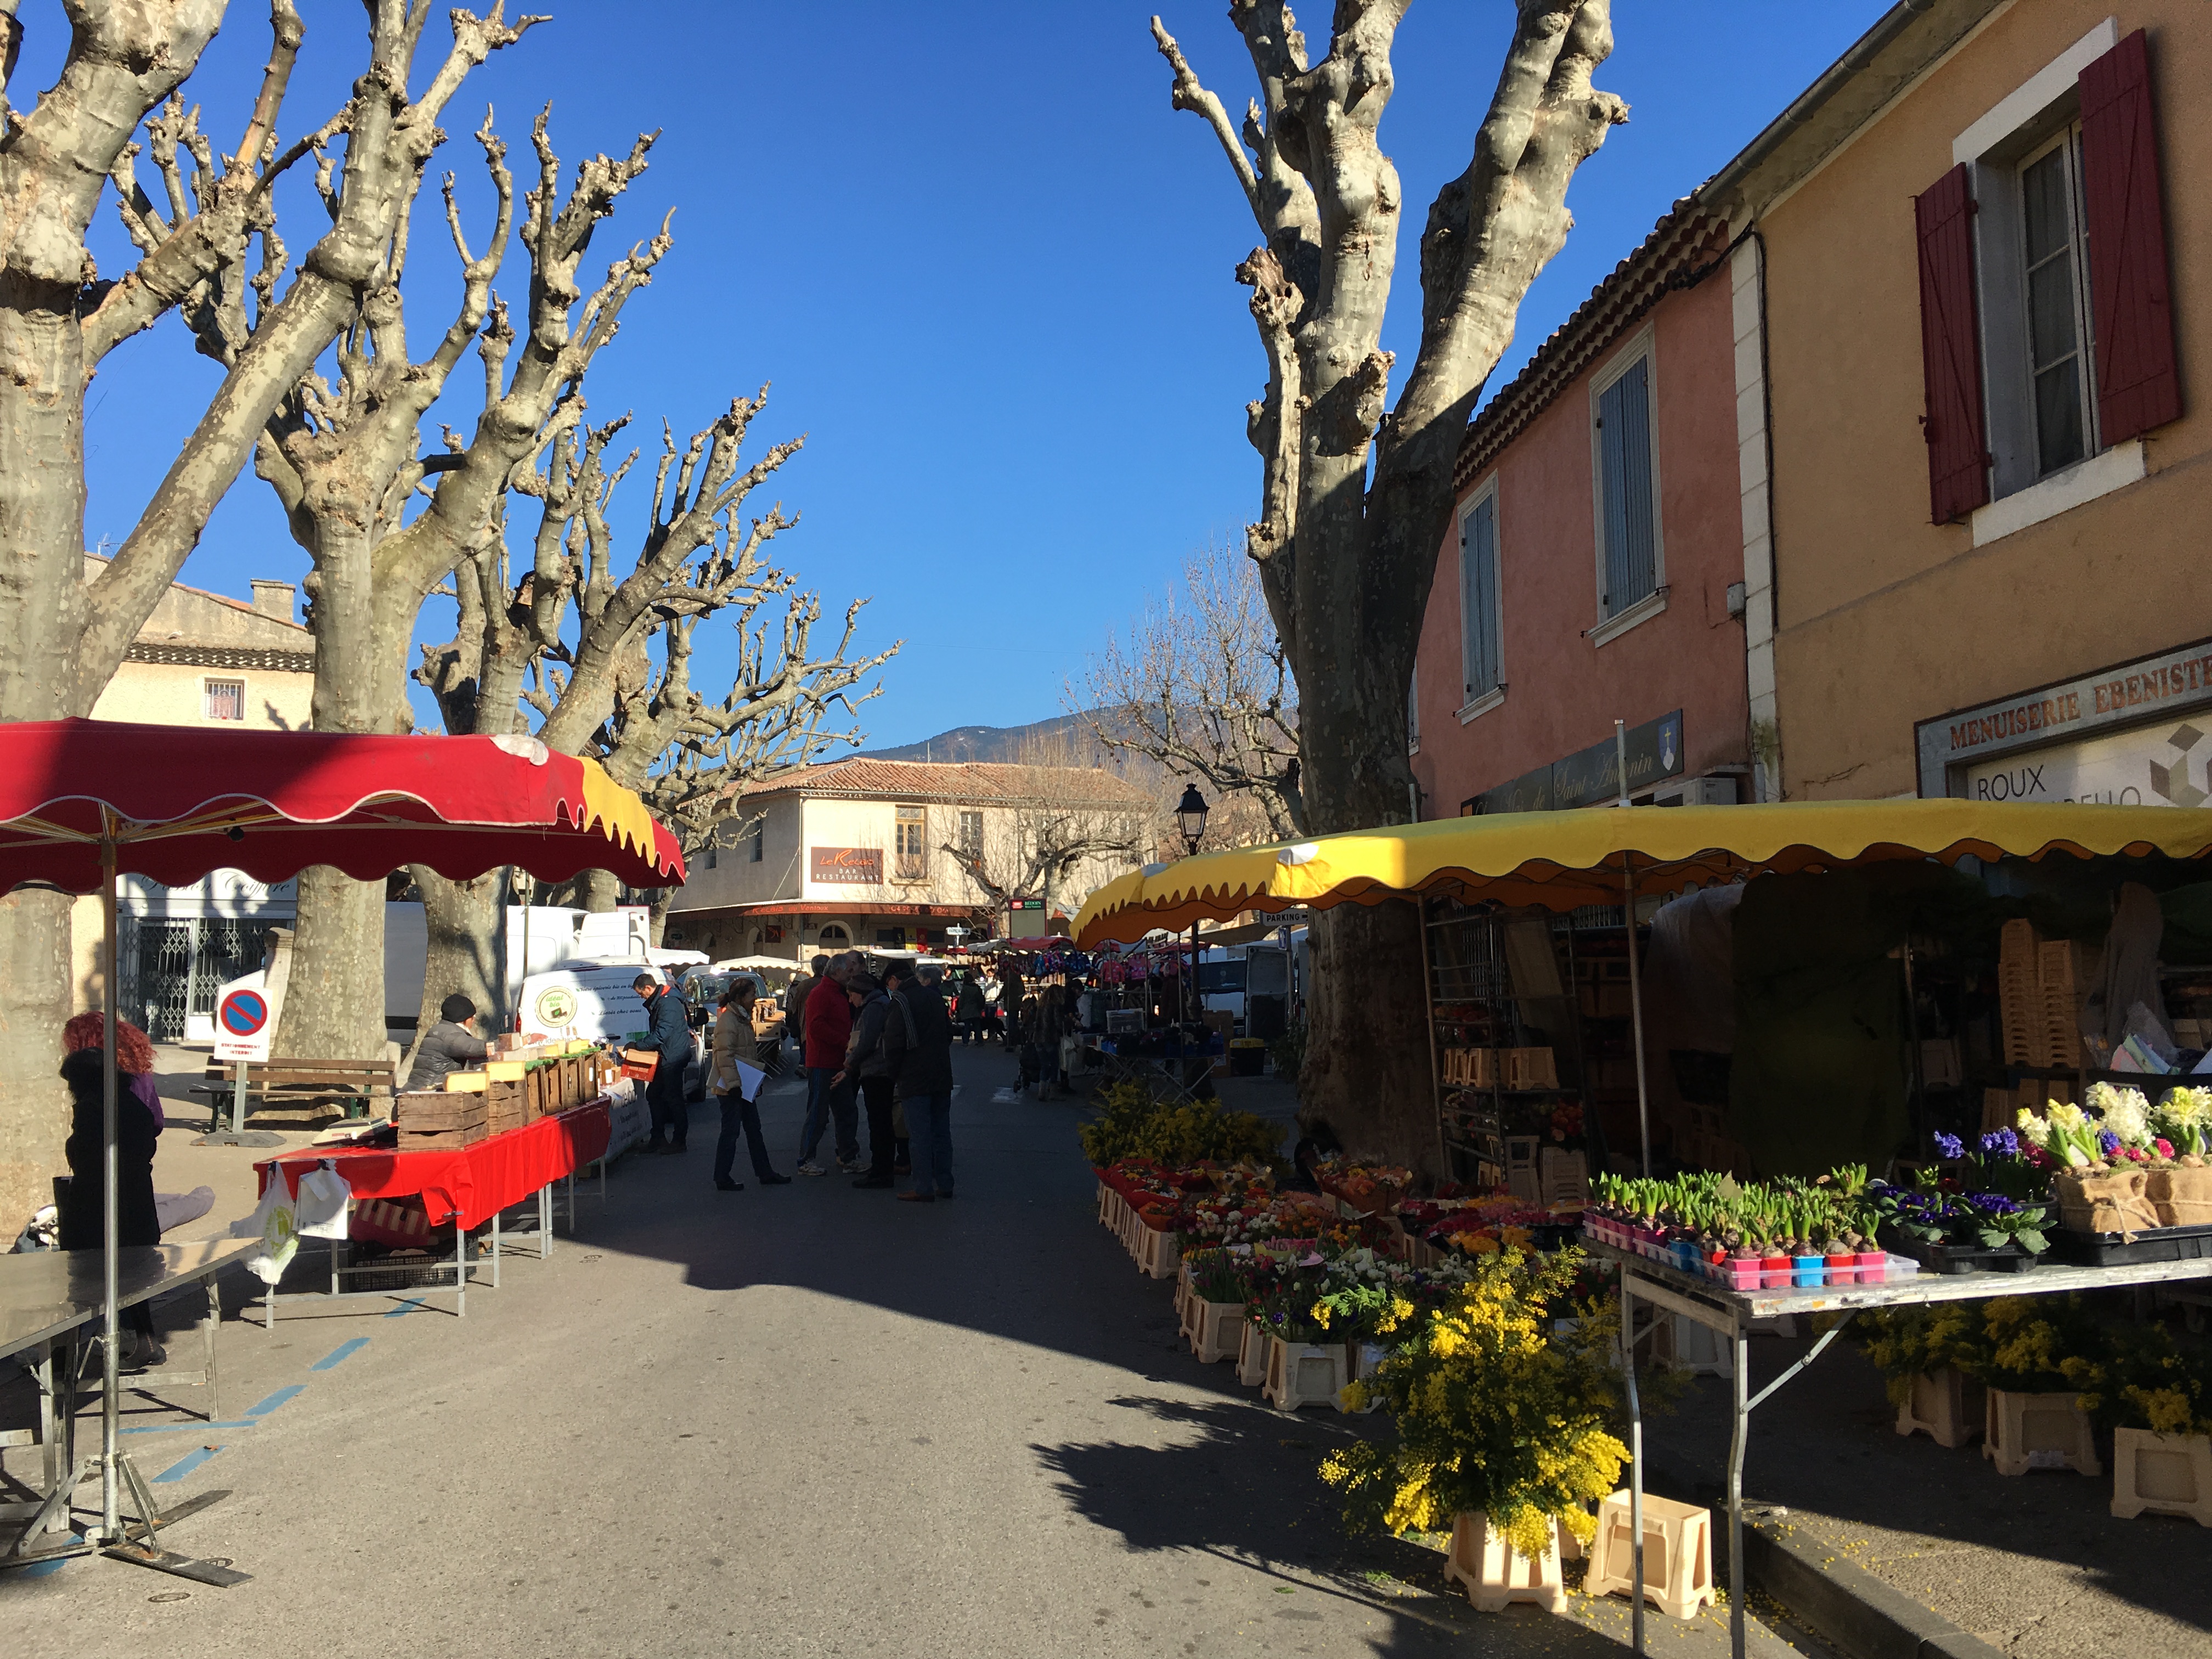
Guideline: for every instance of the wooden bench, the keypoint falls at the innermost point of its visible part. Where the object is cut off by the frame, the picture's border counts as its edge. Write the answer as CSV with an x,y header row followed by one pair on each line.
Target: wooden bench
x,y
303,1084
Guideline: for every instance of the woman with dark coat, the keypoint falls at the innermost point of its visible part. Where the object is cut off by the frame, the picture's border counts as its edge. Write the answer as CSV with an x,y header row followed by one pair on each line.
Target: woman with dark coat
x,y
138,1123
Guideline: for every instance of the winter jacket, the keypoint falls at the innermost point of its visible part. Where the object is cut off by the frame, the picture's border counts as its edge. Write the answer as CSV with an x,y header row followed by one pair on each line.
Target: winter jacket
x,y
671,1027
794,1000
828,1024
918,1043
968,1003
733,1040
136,1134
444,1048
863,1050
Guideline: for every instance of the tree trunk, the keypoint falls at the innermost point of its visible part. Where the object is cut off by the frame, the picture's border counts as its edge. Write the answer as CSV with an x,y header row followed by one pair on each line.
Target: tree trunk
x,y
597,891
462,919
41,528
334,1005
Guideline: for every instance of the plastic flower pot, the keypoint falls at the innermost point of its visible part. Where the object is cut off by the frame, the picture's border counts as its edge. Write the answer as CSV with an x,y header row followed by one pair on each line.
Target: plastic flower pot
x,y
1773,1272
1743,1272
1873,1266
1807,1270
1842,1269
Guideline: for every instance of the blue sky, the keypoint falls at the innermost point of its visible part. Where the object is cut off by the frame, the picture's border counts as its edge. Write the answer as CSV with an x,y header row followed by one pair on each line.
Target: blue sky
x,y
986,266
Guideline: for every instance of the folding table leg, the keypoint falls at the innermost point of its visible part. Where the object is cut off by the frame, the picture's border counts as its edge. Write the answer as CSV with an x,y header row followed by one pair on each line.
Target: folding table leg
x,y
545,1220
213,1326
49,1428
460,1268
494,1250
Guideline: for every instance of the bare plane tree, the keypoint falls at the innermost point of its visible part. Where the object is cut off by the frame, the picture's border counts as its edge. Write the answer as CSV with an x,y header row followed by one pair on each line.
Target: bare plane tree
x,y
1040,850
1202,688
64,632
573,643
1356,493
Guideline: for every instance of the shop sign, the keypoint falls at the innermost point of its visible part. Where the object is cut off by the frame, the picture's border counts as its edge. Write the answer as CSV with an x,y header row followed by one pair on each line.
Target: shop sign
x,y
2150,693
854,866
2161,765
1591,776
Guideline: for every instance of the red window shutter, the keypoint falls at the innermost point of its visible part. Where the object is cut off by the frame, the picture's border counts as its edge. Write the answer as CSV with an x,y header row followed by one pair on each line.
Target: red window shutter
x,y
1950,348
2138,386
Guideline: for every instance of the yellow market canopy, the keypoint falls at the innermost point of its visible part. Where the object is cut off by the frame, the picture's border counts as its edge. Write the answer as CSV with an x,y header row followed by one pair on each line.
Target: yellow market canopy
x,y
1562,861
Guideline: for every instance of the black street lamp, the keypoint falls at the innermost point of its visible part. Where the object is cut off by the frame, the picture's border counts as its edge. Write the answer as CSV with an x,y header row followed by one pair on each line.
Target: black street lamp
x,y
1190,816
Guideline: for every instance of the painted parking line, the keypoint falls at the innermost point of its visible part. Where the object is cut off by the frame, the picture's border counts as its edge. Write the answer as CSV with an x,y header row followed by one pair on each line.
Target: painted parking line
x,y
282,1395
43,1568
185,1464
339,1355
183,1428
412,1304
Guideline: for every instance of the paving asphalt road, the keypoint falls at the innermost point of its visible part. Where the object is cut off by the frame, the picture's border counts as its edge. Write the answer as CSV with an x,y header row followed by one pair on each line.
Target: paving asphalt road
x,y
800,1421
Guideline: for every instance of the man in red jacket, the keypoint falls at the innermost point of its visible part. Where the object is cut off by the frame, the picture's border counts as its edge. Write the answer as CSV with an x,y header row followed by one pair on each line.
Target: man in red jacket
x,y
828,1025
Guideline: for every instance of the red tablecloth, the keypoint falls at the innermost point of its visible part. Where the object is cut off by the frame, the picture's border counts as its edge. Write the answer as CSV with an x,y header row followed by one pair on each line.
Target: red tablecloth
x,y
475,1182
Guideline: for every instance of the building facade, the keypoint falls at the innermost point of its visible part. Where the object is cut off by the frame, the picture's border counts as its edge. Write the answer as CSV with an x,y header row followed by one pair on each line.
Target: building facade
x,y
891,855
201,660
1978,267
1591,572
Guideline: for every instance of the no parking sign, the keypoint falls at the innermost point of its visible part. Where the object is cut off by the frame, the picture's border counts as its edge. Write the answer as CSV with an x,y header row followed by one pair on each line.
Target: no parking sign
x,y
246,1014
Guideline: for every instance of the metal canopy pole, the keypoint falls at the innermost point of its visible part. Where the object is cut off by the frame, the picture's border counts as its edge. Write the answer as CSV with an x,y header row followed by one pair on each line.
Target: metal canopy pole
x,y
110,1528
1628,927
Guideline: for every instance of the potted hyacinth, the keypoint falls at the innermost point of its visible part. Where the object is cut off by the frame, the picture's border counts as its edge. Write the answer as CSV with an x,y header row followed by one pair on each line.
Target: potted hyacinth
x,y
2123,1167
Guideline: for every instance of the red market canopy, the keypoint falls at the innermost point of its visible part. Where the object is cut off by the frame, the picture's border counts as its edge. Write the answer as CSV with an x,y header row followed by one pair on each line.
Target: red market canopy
x,y
180,801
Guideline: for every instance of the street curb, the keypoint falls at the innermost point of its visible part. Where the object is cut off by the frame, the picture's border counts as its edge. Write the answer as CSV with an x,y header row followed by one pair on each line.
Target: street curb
x,y
1843,1602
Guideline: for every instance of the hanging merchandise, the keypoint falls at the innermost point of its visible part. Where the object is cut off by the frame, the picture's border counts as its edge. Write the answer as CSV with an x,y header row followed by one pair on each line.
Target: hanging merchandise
x,y
320,1208
275,1224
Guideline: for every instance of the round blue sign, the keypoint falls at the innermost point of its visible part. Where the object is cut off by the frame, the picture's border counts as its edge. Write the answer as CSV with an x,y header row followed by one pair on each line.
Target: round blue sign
x,y
243,1013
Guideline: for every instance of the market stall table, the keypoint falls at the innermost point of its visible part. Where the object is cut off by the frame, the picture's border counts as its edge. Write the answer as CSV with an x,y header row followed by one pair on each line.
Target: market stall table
x,y
46,1298
1729,1313
463,1185
1141,1058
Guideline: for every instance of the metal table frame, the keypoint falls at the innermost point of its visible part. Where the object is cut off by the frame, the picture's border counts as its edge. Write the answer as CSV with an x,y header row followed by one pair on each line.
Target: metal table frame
x,y
1729,1313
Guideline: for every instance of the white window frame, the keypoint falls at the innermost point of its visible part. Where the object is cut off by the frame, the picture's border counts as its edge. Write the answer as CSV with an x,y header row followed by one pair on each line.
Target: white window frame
x,y
1993,148
1643,347
208,682
1473,706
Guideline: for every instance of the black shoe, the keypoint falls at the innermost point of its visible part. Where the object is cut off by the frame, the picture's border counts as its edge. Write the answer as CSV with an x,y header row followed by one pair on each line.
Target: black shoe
x,y
773,1180
729,1186
873,1181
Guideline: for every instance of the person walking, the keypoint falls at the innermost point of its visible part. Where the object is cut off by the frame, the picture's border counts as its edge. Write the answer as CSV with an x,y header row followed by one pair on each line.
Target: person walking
x,y
670,1035
138,1123
918,1054
447,1047
866,1068
968,1007
1010,1000
733,1040
794,1003
828,1029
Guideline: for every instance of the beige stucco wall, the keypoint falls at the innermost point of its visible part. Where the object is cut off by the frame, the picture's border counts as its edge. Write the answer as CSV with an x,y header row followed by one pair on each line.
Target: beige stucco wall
x,y
1884,619
169,694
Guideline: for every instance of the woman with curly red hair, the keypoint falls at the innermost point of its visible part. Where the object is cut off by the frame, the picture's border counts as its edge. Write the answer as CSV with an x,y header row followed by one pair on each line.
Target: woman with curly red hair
x,y
138,1123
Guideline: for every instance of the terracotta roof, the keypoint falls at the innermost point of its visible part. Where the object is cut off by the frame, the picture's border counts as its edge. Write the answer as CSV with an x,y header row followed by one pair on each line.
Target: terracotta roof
x,y
1687,238
974,782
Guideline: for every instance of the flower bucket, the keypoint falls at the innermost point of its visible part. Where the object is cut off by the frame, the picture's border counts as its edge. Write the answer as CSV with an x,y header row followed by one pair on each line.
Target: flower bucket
x,y
1807,1272
1945,1404
1494,1576
1303,1374
1773,1272
2163,1474
2039,1431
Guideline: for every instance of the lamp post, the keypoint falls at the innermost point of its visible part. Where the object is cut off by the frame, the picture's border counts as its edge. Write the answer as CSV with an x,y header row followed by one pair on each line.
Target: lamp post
x,y
1190,818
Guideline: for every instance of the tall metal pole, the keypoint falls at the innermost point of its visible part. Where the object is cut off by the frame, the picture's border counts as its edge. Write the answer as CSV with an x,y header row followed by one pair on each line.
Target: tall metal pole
x,y
1628,926
110,1227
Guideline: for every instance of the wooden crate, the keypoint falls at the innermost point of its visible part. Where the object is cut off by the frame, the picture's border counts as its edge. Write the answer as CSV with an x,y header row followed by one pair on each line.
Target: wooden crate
x,y
2020,996
508,1103
2056,968
430,1120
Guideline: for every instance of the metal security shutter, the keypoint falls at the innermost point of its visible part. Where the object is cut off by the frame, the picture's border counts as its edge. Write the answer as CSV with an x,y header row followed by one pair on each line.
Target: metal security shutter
x,y
1624,410
2137,384
1477,553
1950,349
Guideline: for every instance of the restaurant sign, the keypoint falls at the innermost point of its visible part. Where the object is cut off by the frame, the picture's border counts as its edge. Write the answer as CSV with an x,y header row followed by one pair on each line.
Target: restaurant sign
x,y
1591,776
2065,739
852,866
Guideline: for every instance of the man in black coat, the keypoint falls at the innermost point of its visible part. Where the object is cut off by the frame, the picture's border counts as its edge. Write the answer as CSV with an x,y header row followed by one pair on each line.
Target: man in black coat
x,y
917,1048
671,1035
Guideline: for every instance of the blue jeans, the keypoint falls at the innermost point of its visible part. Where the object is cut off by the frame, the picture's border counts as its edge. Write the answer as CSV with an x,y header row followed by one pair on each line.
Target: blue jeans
x,y
824,1102
929,1142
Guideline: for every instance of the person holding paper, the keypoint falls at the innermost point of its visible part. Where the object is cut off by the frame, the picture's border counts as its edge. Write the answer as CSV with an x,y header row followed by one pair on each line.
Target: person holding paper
x,y
735,1080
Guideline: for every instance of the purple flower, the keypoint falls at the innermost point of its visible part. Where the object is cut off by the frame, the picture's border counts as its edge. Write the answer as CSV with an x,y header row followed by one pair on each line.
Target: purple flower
x,y
2107,1142
1949,1145
1994,1204
2001,1143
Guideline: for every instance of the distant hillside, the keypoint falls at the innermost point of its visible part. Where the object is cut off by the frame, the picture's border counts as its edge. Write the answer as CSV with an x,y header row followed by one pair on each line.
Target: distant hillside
x,y
1065,739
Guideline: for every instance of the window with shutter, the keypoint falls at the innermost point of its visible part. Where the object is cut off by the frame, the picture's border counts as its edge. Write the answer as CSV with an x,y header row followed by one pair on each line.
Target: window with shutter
x,y
1627,496
1481,620
2137,384
912,850
1950,352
